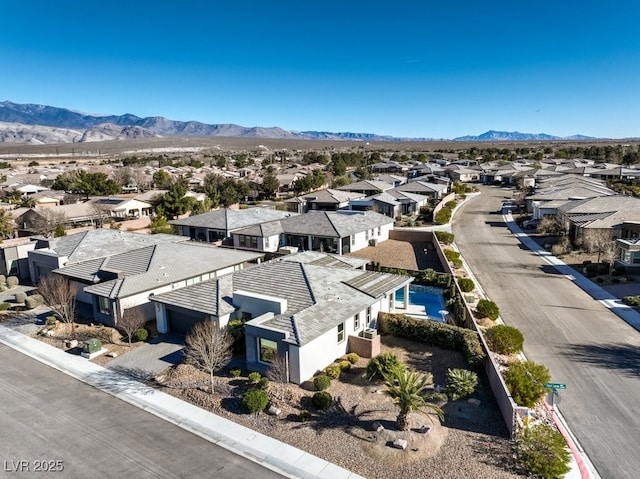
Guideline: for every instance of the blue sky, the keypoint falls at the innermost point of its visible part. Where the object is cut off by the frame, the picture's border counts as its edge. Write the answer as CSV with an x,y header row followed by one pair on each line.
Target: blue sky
x,y
407,68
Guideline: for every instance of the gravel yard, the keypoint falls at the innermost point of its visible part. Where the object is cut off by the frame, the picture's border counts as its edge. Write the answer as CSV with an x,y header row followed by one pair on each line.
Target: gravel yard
x,y
402,254
472,441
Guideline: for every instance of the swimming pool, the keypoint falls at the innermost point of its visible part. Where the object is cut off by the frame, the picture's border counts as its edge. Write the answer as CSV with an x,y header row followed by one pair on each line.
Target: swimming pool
x,y
425,302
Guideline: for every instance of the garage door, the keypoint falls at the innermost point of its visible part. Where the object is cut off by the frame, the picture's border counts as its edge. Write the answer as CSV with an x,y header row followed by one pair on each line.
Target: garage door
x,y
181,322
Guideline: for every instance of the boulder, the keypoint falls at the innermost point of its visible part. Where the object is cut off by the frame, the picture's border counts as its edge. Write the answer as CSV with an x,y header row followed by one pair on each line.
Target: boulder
x,y
377,426
274,411
424,429
399,444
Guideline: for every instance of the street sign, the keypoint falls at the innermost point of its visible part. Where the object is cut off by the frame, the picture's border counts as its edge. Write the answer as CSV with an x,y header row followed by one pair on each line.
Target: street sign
x,y
555,386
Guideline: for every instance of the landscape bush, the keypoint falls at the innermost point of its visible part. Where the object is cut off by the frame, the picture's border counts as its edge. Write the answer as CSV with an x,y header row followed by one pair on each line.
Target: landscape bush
x,y
263,383
436,334
384,365
504,339
254,377
4,306
445,237
32,302
321,382
543,452
353,358
487,309
12,282
235,372
454,257
321,400
344,365
461,383
333,371
451,204
20,297
466,285
525,380
631,300
443,216
142,334
235,327
255,400
304,416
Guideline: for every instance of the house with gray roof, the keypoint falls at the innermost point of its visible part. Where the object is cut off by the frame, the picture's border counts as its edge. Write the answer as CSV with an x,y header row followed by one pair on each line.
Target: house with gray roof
x,y
218,225
111,285
432,190
392,203
303,308
54,253
340,232
322,200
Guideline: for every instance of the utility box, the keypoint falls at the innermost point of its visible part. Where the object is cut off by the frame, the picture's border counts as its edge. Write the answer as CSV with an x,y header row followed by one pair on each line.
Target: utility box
x,y
92,345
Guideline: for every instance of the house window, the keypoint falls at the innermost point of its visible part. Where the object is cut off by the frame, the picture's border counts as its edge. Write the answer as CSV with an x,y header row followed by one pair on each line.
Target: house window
x,y
353,240
266,242
368,315
248,241
340,332
356,322
104,305
268,350
378,231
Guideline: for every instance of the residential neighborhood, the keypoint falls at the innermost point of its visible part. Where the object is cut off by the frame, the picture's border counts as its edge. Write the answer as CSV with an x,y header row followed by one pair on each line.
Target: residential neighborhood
x,y
205,241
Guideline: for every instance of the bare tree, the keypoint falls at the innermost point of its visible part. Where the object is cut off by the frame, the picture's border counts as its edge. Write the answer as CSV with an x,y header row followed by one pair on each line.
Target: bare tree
x,y
60,295
209,347
131,321
278,373
601,241
102,212
45,222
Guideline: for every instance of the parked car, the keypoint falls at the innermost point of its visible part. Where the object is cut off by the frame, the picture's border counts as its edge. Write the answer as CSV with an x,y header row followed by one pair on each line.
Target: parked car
x,y
530,224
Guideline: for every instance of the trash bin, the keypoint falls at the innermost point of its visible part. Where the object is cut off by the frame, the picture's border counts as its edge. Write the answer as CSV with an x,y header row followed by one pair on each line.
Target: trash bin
x,y
92,345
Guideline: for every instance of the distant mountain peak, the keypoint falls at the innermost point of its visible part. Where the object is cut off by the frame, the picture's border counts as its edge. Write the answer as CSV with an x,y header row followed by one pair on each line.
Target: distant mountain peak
x,y
493,135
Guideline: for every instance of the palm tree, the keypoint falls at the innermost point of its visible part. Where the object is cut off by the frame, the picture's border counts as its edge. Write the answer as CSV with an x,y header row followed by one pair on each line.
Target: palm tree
x,y
408,389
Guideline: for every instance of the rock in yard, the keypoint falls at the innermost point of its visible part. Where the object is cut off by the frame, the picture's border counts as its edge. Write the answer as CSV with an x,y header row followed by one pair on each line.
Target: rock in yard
x,y
474,401
377,426
424,429
112,354
49,333
274,411
399,444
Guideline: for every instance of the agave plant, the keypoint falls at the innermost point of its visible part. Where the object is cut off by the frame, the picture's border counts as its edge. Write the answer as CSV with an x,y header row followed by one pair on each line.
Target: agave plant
x,y
408,389
461,383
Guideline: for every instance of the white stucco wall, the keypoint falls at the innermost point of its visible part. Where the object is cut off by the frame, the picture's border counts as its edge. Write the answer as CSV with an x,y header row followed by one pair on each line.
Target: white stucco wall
x,y
380,233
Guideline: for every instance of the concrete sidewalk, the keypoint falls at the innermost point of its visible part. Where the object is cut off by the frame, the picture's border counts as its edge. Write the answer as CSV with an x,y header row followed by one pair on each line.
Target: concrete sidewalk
x,y
268,452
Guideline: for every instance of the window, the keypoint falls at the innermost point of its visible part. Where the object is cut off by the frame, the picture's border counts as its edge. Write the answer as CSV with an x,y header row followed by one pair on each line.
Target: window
x,y
368,315
356,322
378,231
266,242
104,305
340,332
268,350
248,241
353,240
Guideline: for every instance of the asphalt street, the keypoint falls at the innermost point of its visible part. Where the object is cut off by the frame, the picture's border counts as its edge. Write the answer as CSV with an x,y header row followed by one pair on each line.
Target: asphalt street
x,y
583,344
55,426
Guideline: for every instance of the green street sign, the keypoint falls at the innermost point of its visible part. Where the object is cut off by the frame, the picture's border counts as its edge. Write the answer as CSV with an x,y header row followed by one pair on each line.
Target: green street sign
x,y
555,386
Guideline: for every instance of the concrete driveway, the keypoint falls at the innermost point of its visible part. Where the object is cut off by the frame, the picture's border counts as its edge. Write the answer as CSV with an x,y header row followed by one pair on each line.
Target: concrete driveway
x,y
148,360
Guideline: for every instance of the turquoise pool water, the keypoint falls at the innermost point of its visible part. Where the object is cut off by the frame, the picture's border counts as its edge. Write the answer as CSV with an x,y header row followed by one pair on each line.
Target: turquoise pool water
x,y
428,297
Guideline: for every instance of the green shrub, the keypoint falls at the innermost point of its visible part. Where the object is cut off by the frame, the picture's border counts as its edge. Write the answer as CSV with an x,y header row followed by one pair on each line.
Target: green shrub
x,y
142,334
344,365
321,400
353,358
235,372
451,254
50,321
504,339
235,327
333,371
461,383
443,216
487,309
4,306
304,416
466,285
254,377
444,237
543,452
255,400
436,398
12,282
525,382
384,365
436,334
451,204
321,382
591,268
32,302
263,383
631,300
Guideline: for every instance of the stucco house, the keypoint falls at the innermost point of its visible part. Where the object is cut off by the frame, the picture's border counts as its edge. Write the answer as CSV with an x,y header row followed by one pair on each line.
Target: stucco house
x,y
218,225
308,309
113,284
340,232
321,200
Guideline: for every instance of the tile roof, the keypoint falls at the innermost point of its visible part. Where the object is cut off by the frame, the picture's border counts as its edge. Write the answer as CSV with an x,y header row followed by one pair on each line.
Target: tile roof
x,y
230,220
334,224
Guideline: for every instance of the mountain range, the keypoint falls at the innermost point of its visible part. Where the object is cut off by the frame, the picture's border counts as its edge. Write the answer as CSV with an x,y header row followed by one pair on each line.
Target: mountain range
x,y
41,124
